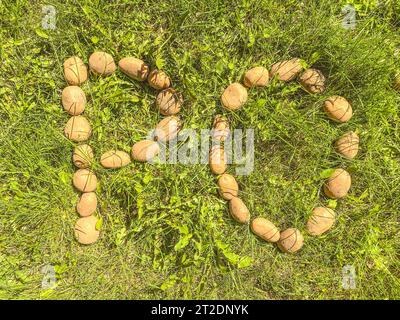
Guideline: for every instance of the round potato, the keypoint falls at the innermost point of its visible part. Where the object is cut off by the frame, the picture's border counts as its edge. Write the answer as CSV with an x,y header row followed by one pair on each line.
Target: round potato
x,y
73,100
234,96
347,145
158,80
75,71
102,63
145,150
78,129
134,68
238,210
313,81
338,184
220,129
85,230
169,102
228,187
256,77
338,109
85,180
168,128
87,204
82,156
291,240
115,159
217,160
265,229
320,221
286,70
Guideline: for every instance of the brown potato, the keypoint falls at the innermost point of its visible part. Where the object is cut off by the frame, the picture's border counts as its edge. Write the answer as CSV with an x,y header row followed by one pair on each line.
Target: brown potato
x,y
115,159
256,77
168,128
145,150
238,210
82,156
220,128
217,159
85,230
338,185
158,80
291,240
75,71
78,129
347,145
102,63
320,221
265,229
338,109
73,100
134,68
234,96
85,180
228,187
313,81
87,204
286,70
169,102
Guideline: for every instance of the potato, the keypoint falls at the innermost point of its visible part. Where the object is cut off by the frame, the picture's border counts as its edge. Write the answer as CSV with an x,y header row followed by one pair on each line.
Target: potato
x,y
347,145
220,128
320,221
313,81
145,150
134,68
338,184
115,159
158,80
73,100
338,109
169,102
291,240
286,70
102,63
85,180
168,128
82,156
256,77
217,159
87,204
78,129
238,210
234,96
228,187
75,71
265,229
85,230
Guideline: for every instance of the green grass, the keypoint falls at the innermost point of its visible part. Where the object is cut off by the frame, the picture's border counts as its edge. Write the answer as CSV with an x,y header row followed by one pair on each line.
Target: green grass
x,y
166,233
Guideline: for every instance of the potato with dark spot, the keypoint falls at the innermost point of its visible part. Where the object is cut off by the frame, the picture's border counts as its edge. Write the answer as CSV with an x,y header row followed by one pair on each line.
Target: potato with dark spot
x,y
102,63
265,229
234,96
347,145
338,109
169,102
73,100
286,70
85,180
145,150
228,187
78,129
158,80
313,81
217,159
238,210
75,71
134,68
320,221
291,240
256,77
87,204
82,156
115,159
220,129
168,129
338,184
85,230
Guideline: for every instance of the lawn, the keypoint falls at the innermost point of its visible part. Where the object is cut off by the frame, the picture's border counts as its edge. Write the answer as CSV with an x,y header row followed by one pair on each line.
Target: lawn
x,y
166,234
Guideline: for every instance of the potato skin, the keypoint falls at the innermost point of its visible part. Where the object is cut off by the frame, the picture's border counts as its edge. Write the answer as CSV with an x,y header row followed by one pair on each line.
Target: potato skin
x,y
286,70
320,221
228,187
145,150
169,102
313,81
115,159
239,211
338,184
134,68
347,145
82,156
291,240
85,230
102,63
87,204
256,77
78,129
168,129
85,180
234,96
265,229
220,129
217,160
158,80
73,100
338,109
75,71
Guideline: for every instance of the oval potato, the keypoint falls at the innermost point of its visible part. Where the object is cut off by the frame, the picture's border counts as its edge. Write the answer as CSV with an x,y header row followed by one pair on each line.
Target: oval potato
x,y
338,184
75,71
338,109
347,145
102,63
145,150
168,128
234,96
286,70
85,230
256,77
291,240
134,68
320,221
228,187
87,204
313,81
217,160
115,159
78,129
265,229
82,156
220,129
85,180
73,100
158,80
238,210
169,102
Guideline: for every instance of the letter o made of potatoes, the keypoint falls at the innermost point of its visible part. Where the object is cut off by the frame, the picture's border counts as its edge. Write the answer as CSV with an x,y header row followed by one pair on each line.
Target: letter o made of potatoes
x,y
234,96
73,100
238,210
338,184
82,156
78,129
75,71
228,187
320,221
338,109
85,230
87,204
145,150
85,180
265,229
102,63
291,240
